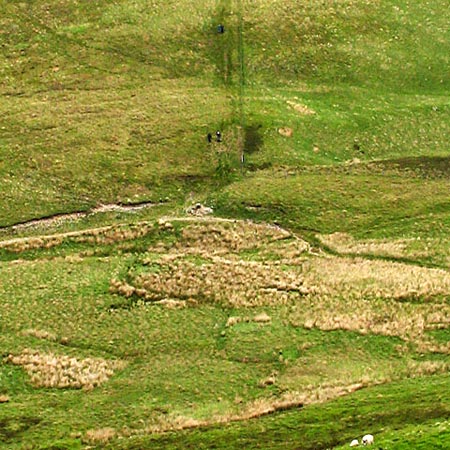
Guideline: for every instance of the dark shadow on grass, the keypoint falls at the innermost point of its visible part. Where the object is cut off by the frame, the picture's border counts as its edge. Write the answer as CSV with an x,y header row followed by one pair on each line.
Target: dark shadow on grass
x,y
12,428
428,166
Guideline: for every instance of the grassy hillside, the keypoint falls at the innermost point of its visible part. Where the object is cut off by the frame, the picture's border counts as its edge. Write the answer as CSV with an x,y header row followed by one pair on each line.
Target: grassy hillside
x,y
112,101
322,317
180,324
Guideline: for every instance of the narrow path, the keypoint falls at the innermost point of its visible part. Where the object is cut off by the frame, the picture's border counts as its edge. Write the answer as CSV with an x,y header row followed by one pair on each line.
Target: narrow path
x,y
76,216
67,217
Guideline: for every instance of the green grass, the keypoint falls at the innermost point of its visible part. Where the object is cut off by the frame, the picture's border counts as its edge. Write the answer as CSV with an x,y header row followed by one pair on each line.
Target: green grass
x,y
403,415
111,101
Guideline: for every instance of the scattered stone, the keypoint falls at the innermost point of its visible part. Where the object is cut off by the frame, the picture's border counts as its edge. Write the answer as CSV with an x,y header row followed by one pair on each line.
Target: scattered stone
x,y
269,381
286,131
354,161
4,399
199,210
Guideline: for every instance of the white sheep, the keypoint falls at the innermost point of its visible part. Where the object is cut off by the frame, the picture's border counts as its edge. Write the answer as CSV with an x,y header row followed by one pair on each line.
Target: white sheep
x,y
367,439
354,443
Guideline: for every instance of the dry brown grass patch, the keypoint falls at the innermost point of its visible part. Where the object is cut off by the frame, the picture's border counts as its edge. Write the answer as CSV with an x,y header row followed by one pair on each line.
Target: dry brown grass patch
x,y
301,109
224,238
25,244
99,436
262,318
40,334
374,296
114,234
230,282
346,244
336,276
60,371
254,409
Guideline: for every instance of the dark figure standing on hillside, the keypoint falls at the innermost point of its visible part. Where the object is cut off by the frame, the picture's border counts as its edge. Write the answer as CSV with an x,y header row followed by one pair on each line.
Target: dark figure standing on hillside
x,y
220,29
209,138
218,136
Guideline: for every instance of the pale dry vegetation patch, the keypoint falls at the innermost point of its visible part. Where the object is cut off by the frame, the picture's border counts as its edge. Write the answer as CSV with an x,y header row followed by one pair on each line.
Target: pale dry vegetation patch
x,y
205,265
346,244
380,316
230,282
337,276
40,334
99,436
262,317
423,368
33,243
114,234
254,409
61,371
329,293
417,247
309,394
233,237
300,108
381,297
4,398
98,236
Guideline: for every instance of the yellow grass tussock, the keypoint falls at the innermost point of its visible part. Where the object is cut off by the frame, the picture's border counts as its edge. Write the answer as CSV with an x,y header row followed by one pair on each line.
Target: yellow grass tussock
x,y
231,282
99,436
114,234
40,334
56,371
262,318
346,244
301,109
233,320
25,244
223,238
383,279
